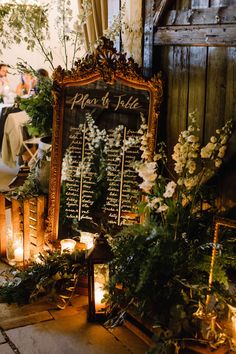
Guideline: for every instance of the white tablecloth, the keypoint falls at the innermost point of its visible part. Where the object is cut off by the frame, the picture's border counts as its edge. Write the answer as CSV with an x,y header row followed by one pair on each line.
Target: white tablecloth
x,y
13,137
3,105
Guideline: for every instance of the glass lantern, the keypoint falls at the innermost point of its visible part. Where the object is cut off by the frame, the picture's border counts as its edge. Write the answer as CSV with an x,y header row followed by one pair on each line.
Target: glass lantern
x,y
98,276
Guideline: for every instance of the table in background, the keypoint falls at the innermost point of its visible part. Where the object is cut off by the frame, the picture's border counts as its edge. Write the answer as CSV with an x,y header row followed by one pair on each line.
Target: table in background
x,y
5,109
13,137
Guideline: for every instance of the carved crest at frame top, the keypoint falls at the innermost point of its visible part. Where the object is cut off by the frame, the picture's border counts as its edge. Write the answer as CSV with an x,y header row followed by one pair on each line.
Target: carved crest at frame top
x,y
109,63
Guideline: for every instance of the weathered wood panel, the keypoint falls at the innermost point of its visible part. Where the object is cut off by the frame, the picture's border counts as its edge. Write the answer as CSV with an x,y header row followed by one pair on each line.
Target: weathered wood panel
x,y
148,38
177,104
196,35
216,90
183,4
208,16
161,8
197,83
200,3
221,3
230,100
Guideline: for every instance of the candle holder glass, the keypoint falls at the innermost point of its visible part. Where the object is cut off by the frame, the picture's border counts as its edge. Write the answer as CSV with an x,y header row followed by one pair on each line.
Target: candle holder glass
x,y
15,250
87,238
67,245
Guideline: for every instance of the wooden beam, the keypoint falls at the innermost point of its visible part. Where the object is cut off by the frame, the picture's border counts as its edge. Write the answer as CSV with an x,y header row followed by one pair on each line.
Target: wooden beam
x,y
217,35
206,16
160,12
148,38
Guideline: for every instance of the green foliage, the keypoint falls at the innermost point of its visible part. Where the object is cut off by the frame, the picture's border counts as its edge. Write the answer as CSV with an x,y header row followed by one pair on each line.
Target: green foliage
x,y
23,23
155,269
56,274
40,109
164,279
30,188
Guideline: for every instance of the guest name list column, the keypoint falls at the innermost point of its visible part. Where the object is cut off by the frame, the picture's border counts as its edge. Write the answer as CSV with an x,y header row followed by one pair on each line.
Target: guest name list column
x,y
122,193
80,184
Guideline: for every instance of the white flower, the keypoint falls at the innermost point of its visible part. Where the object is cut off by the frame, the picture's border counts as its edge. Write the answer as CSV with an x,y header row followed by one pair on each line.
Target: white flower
x,y
180,181
146,186
179,167
152,203
218,163
191,182
213,139
147,171
192,139
157,157
185,134
170,189
224,139
162,208
221,152
206,151
191,165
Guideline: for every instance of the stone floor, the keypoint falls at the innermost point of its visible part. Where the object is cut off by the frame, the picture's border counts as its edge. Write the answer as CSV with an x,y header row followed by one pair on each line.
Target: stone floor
x,y
40,328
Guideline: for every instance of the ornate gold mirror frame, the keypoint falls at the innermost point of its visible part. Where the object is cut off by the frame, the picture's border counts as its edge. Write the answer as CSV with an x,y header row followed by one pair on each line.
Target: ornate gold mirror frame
x,y
219,224
111,87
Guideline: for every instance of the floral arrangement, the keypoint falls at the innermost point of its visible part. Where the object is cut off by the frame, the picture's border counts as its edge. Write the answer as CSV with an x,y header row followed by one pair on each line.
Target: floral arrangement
x,y
163,265
173,192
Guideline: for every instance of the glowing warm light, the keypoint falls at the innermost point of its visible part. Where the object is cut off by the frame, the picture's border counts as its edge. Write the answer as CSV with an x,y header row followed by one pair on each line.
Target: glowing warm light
x,y
18,254
99,294
234,330
68,245
87,238
37,259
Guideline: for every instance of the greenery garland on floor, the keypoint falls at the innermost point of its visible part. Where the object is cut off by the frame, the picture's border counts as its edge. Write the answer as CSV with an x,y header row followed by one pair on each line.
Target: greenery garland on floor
x,y
54,275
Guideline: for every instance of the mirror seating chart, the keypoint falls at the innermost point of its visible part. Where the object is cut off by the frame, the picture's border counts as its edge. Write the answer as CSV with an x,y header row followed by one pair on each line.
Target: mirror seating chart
x,y
105,112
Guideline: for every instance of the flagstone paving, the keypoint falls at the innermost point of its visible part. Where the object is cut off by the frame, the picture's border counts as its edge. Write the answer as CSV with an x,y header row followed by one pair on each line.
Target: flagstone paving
x,y
41,328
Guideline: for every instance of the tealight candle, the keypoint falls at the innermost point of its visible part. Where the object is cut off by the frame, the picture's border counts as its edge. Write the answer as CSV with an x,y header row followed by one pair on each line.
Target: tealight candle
x,y
68,245
87,238
99,295
18,254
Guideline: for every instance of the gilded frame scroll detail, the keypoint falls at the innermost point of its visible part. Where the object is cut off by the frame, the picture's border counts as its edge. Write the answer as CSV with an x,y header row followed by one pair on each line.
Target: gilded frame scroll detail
x,y
218,223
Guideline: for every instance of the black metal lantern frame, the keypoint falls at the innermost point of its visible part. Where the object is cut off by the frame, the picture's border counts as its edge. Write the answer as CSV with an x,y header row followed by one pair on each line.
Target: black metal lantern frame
x,y
98,276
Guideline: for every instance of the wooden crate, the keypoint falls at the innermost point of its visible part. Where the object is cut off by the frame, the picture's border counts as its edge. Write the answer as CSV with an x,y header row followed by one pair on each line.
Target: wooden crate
x,y
28,217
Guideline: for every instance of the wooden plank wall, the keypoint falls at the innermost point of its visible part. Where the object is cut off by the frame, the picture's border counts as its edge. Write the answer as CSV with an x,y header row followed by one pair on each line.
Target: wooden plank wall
x,y
200,75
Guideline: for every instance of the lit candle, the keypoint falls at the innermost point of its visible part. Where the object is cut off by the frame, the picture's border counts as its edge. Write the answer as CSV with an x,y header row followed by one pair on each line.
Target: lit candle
x,y
99,295
234,330
18,254
87,238
68,245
